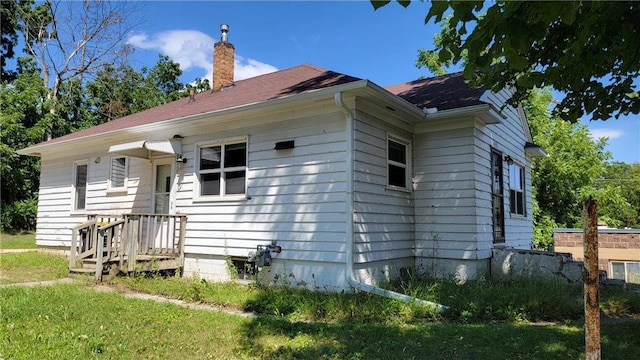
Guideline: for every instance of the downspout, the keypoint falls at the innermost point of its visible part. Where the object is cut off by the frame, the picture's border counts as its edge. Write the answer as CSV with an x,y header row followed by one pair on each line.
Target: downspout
x,y
353,282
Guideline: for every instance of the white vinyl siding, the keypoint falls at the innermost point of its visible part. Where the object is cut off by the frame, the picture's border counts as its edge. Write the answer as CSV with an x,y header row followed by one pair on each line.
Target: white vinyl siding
x,y
118,174
509,137
384,230
447,202
295,197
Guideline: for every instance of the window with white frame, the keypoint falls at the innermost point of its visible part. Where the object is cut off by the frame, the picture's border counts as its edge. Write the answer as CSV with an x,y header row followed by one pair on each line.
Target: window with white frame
x,y
628,271
222,169
79,195
118,173
516,189
398,166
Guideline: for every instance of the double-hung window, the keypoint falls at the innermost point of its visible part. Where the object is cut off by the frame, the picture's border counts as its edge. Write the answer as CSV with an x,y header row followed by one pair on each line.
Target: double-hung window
x,y
79,191
398,162
516,189
222,169
118,173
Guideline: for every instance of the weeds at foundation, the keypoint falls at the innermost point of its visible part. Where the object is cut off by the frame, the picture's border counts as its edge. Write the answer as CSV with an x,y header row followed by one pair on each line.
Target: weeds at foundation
x,y
432,269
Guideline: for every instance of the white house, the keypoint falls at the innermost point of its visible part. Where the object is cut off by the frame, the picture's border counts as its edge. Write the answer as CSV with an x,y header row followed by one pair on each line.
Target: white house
x,y
354,182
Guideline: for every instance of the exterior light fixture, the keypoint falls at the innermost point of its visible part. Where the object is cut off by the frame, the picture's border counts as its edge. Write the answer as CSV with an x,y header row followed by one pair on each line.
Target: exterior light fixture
x,y
508,159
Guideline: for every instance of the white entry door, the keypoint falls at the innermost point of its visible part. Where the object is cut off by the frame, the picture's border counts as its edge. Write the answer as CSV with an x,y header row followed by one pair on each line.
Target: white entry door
x,y
163,186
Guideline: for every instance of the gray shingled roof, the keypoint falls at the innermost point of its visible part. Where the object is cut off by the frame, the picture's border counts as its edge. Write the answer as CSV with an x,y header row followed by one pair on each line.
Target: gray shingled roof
x,y
442,92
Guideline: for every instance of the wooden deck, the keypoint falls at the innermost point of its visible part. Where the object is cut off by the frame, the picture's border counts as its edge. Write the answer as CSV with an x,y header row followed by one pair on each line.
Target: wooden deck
x,y
128,243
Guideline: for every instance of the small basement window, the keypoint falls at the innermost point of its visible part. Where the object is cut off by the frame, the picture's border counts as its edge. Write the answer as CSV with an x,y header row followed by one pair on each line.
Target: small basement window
x,y
244,270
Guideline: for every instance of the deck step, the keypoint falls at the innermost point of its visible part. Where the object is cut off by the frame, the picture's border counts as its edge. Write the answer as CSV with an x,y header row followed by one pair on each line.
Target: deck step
x,y
89,266
82,270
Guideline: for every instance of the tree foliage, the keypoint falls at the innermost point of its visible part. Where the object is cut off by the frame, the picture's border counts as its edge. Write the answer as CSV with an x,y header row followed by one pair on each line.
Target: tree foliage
x,y
589,50
10,33
73,40
61,86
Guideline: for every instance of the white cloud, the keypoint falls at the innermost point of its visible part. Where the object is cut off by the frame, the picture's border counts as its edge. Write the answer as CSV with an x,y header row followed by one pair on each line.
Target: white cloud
x,y
250,67
194,49
608,133
189,48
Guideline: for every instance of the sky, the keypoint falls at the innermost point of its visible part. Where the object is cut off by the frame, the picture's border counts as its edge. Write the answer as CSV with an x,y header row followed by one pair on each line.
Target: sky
x,y
344,36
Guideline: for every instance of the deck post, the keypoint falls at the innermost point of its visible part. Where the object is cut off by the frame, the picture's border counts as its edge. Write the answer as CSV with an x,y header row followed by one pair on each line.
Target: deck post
x,y
98,245
133,244
183,231
124,244
74,248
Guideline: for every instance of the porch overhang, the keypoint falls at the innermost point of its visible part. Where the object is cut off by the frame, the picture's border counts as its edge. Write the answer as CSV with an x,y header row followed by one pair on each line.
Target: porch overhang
x,y
534,150
145,148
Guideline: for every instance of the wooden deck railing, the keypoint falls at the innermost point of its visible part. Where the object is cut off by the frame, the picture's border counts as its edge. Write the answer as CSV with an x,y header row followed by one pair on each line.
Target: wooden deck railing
x,y
128,238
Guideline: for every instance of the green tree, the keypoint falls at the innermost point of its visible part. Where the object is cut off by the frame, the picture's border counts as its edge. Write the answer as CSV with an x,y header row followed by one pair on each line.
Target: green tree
x,y
575,161
626,178
70,41
10,33
23,108
588,50
112,93
121,91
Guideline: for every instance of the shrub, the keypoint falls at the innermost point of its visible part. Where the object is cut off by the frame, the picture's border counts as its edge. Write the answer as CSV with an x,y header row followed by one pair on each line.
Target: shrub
x,y
20,215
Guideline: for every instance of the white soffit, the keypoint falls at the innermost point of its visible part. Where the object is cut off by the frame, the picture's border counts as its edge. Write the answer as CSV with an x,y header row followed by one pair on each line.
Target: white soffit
x,y
143,148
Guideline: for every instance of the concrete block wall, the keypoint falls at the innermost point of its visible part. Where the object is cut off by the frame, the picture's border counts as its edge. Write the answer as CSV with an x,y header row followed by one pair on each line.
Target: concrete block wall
x,y
507,264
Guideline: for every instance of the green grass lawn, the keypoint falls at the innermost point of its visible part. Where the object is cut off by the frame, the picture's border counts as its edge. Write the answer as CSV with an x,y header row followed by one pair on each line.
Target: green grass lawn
x,y
31,266
488,321
69,321
17,241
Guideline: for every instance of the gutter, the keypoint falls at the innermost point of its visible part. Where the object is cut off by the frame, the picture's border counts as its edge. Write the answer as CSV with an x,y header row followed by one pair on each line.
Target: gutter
x,y
353,282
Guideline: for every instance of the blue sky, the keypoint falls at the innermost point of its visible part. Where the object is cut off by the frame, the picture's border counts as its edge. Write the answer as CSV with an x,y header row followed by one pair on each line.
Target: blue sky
x,y
343,36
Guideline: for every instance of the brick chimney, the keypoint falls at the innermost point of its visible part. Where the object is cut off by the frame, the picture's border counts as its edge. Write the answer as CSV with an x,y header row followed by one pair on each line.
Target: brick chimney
x,y
223,57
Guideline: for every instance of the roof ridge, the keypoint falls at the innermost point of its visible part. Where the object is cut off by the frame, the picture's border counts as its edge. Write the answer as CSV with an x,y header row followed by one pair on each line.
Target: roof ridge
x,y
426,78
311,66
314,67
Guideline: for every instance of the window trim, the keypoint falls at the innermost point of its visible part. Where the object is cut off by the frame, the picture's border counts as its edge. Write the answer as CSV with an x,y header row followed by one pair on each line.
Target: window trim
x,y
624,262
110,187
197,197
407,167
521,191
74,189
496,172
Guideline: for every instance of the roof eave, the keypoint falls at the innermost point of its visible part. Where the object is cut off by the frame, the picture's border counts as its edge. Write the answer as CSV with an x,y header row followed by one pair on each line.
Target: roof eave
x,y
485,112
397,103
38,149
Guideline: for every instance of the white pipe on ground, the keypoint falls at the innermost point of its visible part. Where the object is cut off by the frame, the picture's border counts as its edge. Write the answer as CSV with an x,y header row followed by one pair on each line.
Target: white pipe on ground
x,y
353,282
